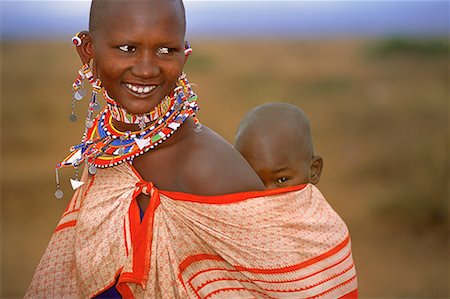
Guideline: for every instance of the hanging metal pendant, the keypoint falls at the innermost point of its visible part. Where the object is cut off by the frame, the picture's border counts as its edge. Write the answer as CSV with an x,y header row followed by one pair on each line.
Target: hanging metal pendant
x,y
141,143
96,106
198,128
76,184
141,123
92,169
79,94
73,117
59,194
121,151
89,123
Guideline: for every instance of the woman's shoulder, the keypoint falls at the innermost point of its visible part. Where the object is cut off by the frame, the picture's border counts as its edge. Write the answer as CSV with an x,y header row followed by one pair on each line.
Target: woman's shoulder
x,y
211,166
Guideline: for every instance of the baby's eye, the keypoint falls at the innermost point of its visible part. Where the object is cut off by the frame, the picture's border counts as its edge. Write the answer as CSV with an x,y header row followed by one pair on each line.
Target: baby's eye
x,y
282,180
127,48
165,50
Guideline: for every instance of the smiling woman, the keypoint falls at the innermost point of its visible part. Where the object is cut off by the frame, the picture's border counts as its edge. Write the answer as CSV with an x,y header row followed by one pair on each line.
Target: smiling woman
x,y
159,189
378,109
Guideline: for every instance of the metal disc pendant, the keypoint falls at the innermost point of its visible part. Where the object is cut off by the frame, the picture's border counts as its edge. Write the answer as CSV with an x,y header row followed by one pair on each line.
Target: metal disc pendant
x,y
59,194
73,118
92,169
198,128
96,106
79,94
89,123
121,151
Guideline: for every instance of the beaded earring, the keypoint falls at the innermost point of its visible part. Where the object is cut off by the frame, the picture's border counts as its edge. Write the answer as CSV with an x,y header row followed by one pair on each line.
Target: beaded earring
x,y
77,86
78,94
76,40
187,49
187,52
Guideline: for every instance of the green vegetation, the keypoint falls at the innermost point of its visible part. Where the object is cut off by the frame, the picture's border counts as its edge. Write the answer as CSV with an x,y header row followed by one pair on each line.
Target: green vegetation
x,y
409,46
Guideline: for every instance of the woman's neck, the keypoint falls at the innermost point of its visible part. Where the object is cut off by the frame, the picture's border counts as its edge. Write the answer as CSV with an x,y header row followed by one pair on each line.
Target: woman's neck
x,y
123,127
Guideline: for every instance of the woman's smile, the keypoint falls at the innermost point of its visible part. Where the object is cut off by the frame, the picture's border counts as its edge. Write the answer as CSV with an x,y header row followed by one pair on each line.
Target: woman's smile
x,y
139,90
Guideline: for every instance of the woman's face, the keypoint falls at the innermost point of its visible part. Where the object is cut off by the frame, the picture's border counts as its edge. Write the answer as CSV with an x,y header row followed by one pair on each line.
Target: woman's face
x,y
138,52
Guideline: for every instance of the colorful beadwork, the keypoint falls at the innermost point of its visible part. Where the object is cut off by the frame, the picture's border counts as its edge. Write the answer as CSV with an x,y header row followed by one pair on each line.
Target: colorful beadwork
x,y
104,146
76,40
79,93
187,49
122,115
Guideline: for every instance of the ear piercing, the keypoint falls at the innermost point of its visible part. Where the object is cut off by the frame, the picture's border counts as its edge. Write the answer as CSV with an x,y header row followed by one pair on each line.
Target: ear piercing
x,y
76,40
187,49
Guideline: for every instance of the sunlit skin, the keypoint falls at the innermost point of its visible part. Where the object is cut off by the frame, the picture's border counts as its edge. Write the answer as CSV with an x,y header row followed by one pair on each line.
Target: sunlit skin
x,y
277,143
142,43
135,50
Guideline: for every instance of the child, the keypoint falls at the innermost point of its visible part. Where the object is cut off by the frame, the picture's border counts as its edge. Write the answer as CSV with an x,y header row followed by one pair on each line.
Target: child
x,y
159,211
275,138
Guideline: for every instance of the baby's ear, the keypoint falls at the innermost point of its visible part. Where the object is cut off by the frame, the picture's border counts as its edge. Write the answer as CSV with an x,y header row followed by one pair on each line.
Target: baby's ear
x,y
85,48
316,169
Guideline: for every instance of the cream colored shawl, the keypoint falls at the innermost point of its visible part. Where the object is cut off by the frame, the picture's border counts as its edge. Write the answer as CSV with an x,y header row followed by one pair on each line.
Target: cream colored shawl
x,y
285,243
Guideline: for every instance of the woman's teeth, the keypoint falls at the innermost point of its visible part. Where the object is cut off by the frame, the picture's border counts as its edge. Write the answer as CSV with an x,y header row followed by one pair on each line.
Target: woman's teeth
x,y
140,89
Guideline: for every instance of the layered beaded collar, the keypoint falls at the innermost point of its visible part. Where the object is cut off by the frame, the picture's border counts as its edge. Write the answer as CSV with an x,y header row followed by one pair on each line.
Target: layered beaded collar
x,y
121,115
104,146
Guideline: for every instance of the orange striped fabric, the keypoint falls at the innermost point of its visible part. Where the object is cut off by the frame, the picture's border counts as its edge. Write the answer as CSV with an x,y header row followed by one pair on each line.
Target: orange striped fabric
x,y
286,243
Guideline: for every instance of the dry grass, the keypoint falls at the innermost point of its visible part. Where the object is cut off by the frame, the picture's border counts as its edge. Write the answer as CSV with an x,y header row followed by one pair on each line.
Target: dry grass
x,y
380,122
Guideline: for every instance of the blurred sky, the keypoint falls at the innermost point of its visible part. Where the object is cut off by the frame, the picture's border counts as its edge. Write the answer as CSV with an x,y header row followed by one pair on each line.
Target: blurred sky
x,y
61,19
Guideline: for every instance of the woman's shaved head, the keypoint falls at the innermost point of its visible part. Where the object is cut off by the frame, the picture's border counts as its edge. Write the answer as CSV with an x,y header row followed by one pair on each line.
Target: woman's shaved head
x,y
101,10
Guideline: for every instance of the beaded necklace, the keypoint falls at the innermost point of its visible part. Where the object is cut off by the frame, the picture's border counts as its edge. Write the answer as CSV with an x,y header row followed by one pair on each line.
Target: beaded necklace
x,y
104,146
124,116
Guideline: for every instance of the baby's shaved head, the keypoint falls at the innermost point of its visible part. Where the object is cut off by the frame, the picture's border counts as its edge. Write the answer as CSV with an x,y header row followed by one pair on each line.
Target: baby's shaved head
x,y
276,141
100,10
277,118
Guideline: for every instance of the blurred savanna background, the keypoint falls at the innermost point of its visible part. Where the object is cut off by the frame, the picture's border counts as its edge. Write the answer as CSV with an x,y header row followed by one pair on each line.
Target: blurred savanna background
x,y
372,76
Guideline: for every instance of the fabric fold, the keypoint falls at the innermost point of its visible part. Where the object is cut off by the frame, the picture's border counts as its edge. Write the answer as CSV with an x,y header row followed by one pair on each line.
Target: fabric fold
x,y
287,243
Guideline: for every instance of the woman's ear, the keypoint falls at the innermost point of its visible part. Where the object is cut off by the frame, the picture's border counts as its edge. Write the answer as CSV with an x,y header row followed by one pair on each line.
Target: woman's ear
x,y
316,169
84,48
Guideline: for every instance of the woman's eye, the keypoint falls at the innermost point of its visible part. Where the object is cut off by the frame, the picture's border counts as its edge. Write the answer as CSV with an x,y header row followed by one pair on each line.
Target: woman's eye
x,y
165,50
282,180
127,48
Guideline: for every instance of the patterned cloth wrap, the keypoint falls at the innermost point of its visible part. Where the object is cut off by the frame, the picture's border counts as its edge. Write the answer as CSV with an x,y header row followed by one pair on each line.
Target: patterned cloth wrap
x,y
285,243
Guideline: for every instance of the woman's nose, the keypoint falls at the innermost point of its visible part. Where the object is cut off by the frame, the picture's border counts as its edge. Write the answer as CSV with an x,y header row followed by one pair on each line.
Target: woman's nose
x,y
146,65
